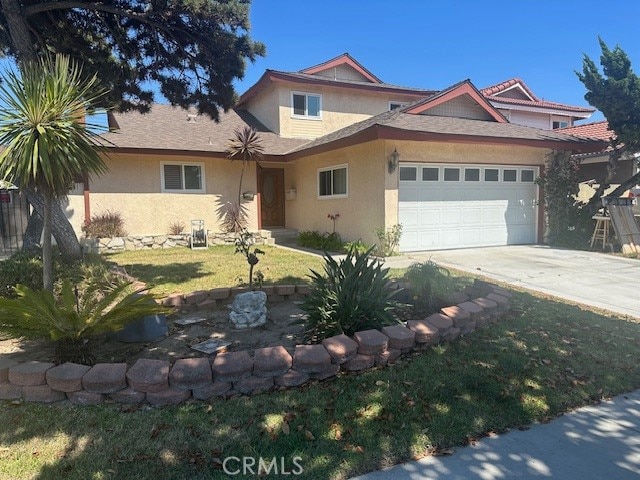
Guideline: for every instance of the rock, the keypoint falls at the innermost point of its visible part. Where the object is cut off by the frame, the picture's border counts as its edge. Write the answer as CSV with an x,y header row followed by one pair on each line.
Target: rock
x,y
249,310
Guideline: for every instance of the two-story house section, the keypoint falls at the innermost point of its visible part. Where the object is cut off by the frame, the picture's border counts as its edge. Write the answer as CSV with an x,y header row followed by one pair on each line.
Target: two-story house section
x,y
455,167
515,100
324,98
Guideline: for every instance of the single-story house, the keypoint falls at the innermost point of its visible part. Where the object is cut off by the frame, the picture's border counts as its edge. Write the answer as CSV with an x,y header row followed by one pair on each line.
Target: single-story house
x,y
448,165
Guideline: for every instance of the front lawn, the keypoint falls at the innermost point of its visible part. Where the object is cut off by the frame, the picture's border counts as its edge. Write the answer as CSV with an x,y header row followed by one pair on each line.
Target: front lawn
x,y
181,270
545,358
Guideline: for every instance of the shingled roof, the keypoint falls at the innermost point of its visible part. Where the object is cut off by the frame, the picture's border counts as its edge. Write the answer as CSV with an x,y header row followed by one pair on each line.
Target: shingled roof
x,y
173,128
398,125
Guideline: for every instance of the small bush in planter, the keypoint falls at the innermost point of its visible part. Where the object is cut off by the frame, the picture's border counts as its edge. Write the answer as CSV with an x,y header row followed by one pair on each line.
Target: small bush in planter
x,y
329,242
104,225
72,319
352,294
429,286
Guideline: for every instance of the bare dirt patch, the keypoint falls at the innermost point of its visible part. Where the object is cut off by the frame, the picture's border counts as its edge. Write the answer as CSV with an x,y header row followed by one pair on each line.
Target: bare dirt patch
x,y
283,327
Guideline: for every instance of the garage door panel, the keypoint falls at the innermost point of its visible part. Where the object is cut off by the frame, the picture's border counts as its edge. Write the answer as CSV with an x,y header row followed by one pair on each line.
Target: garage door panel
x,y
439,214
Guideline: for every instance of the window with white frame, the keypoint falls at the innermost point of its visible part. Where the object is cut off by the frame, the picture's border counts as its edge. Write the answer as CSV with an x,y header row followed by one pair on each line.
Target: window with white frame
x,y
559,124
332,182
394,105
306,105
182,177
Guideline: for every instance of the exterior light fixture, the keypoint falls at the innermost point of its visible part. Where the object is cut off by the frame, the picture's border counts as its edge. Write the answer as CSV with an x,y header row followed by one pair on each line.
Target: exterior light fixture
x,y
393,161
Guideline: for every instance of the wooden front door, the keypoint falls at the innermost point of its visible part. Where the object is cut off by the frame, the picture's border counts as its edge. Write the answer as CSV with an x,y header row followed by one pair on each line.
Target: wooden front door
x,y
271,188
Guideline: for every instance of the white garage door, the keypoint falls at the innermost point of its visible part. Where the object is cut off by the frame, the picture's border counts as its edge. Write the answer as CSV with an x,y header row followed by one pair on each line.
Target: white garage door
x,y
456,206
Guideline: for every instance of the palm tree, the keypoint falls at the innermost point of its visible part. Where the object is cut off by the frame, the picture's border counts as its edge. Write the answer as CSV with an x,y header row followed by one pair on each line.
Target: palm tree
x,y
245,145
46,143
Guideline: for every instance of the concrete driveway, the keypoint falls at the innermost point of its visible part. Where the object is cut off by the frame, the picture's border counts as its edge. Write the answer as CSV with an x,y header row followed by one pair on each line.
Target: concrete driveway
x,y
595,279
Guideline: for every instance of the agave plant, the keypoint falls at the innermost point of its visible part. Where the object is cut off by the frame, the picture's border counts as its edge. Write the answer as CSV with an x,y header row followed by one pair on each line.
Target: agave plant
x,y
429,284
72,319
353,294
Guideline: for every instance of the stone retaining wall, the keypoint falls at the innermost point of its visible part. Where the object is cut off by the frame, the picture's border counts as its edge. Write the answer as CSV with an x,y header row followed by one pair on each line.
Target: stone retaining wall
x,y
233,373
156,242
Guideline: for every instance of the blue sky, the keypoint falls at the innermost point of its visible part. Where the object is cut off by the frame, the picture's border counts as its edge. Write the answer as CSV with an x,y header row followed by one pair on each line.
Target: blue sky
x,y
433,44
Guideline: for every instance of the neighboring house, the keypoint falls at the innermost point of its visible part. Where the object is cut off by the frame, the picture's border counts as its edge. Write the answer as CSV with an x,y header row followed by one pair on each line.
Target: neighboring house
x,y
447,165
593,166
519,105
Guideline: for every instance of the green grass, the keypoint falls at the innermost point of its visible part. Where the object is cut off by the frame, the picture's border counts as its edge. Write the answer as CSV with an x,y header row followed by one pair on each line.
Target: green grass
x,y
543,359
181,270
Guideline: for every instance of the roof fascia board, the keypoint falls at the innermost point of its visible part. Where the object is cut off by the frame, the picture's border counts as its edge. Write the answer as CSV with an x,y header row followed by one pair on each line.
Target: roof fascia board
x,y
187,153
549,110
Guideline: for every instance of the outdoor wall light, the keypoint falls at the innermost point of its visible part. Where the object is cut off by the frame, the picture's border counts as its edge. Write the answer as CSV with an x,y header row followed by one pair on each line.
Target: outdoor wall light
x,y
248,195
393,160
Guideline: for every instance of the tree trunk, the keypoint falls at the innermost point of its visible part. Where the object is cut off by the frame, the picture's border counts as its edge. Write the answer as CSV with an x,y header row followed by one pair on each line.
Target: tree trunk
x,y
33,233
62,231
18,30
47,259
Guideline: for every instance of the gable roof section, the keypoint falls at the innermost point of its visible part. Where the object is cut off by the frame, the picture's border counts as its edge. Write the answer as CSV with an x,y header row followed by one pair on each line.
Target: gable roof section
x,y
344,59
167,128
398,125
499,89
497,94
459,89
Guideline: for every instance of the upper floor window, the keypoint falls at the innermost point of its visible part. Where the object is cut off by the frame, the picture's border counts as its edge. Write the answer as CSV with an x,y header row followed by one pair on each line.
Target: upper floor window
x,y
394,105
182,177
332,182
307,105
559,124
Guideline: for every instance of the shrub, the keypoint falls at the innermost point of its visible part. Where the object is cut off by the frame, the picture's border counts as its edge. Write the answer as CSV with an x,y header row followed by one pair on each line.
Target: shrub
x,y
103,225
72,318
388,240
357,246
429,285
245,244
329,242
352,294
176,228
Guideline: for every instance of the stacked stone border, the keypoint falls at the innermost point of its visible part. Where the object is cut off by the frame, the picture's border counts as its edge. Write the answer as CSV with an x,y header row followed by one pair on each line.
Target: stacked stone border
x,y
227,374
160,242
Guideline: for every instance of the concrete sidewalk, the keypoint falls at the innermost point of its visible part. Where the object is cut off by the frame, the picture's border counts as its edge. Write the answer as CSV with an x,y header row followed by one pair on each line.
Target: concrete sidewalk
x,y
591,278
596,442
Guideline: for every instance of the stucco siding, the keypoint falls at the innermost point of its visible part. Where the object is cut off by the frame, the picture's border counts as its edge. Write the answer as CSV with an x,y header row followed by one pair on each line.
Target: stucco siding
x,y
362,210
132,187
265,108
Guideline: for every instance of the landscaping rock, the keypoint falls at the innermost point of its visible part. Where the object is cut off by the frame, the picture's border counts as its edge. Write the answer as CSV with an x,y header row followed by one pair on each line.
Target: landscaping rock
x,y
10,392
85,398
41,393
473,309
371,342
232,366
468,328
196,297
360,362
303,289
219,293
105,378
253,385
249,310
502,291
29,373
330,371
190,373
271,362
214,389
489,306
441,322
390,355
268,289
311,358
149,376
129,396
292,378
400,337
425,332
503,302
168,396
285,289
5,364
341,348
453,333
459,316
66,377
174,300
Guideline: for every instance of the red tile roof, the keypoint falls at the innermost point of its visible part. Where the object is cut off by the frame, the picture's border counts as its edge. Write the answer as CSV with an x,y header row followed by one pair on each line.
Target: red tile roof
x,y
502,86
593,130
